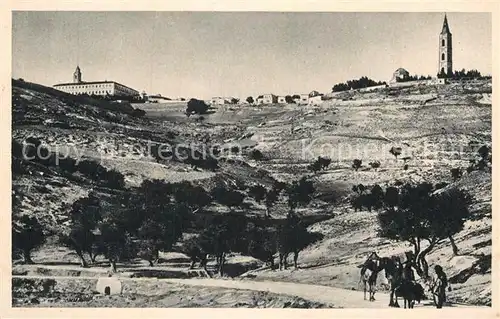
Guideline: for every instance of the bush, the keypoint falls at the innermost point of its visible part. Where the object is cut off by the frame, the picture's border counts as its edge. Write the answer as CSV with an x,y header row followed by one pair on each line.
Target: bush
x,y
199,159
68,164
456,173
235,149
483,161
114,179
138,113
314,167
258,192
188,194
319,164
98,173
356,164
227,197
372,200
256,155
396,151
374,164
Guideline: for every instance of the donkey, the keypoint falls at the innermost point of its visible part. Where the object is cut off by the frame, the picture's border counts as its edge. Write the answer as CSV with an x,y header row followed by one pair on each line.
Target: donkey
x,y
369,277
391,266
369,273
411,292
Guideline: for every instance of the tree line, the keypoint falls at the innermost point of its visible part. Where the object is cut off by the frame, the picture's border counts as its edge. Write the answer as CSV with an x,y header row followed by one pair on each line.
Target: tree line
x,y
362,82
154,217
462,74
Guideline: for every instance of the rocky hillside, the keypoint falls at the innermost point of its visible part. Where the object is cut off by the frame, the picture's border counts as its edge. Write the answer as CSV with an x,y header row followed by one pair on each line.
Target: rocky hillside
x,y
437,128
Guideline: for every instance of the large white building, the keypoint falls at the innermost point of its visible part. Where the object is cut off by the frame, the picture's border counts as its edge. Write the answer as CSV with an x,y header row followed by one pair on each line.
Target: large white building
x,y
103,88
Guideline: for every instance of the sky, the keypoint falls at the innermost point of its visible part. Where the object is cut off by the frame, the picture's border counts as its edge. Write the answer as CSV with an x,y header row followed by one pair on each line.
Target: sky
x,y
205,54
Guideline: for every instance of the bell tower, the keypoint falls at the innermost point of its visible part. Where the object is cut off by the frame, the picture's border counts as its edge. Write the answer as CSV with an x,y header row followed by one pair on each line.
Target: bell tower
x,y
77,76
445,50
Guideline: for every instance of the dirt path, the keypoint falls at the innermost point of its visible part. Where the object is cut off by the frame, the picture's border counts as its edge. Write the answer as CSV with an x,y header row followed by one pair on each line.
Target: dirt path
x,y
337,297
329,295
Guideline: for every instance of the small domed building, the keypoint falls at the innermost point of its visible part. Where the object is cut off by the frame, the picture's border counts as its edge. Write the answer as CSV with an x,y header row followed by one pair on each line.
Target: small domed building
x,y
399,74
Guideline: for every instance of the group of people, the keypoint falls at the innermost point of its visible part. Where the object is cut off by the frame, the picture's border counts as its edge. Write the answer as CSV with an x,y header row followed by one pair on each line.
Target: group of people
x,y
438,284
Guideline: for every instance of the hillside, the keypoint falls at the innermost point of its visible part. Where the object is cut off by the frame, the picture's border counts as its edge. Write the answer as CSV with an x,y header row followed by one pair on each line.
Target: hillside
x,y
437,127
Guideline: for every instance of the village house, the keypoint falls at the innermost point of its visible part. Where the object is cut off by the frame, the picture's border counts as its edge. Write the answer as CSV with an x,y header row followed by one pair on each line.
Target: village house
x,y
281,99
304,99
315,100
267,99
218,100
270,99
156,98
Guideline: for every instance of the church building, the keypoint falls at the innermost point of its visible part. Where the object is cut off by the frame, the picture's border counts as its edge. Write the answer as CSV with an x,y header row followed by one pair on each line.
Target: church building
x,y
103,88
445,50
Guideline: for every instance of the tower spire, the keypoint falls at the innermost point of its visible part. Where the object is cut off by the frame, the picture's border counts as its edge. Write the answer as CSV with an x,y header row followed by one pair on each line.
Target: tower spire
x,y
446,28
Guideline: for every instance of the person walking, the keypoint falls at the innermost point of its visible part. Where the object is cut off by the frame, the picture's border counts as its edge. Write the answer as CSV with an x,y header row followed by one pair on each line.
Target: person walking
x,y
440,282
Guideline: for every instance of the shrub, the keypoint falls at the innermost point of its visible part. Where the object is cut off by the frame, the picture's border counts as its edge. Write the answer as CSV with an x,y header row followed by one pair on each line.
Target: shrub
x,y
356,164
193,196
456,173
258,192
227,197
201,159
250,100
235,149
114,179
138,113
68,164
256,155
314,167
374,164
484,160
396,151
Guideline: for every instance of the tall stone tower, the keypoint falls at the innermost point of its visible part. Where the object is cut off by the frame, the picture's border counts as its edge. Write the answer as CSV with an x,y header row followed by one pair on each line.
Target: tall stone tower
x,y
77,76
445,50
